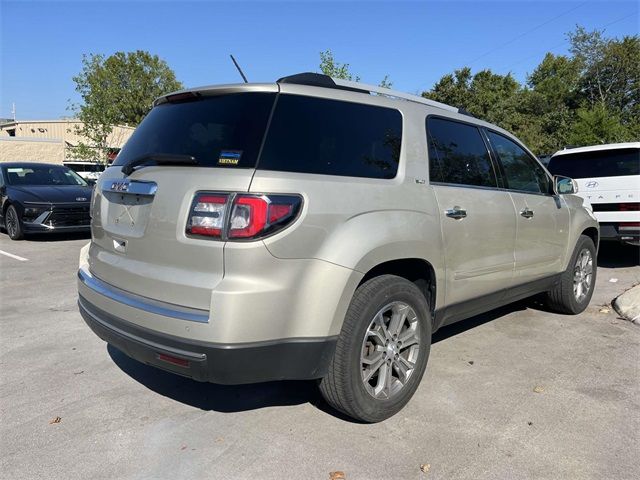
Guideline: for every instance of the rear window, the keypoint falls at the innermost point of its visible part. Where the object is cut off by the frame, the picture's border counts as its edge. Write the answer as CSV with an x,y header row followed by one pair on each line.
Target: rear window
x,y
603,163
220,131
315,135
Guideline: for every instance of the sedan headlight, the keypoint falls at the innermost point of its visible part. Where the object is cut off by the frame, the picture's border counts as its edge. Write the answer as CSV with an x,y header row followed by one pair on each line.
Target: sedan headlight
x,y
31,213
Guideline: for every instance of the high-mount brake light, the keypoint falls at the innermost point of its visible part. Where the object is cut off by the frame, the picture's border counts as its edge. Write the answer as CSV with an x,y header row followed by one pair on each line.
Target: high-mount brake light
x,y
229,216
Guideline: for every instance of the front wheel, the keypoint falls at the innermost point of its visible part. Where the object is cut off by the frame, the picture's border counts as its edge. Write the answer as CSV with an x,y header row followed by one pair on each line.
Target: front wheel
x,y
13,224
573,292
382,350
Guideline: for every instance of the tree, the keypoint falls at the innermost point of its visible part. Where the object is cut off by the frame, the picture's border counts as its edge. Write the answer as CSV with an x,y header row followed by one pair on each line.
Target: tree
x,y
597,125
590,96
329,66
116,90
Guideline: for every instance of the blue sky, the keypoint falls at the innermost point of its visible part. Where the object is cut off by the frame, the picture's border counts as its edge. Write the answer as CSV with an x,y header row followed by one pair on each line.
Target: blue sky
x,y
41,43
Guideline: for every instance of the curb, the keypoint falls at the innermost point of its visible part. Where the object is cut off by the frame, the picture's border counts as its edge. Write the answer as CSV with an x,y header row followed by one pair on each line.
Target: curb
x,y
628,305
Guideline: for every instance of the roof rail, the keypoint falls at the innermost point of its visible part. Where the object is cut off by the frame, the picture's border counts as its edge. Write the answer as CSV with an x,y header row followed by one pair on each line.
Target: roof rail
x,y
387,92
320,80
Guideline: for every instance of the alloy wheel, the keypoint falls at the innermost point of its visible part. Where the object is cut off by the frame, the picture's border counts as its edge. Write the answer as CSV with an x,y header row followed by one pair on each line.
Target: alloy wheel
x,y
12,222
390,350
582,275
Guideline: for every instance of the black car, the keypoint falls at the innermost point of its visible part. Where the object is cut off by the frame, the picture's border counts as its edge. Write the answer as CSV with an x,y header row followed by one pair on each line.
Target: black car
x,y
41,198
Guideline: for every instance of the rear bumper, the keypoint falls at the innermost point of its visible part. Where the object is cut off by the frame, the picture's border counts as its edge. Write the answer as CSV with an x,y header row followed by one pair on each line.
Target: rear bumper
x,y
618,232
287,359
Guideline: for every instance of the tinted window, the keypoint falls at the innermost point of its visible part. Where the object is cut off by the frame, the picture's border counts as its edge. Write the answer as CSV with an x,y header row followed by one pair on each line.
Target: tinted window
x,y
42,175
221,131
314,135
457,154
605,163
522,172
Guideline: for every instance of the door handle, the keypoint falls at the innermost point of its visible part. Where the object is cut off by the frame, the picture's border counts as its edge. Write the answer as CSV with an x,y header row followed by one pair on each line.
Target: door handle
x,y
456,212
527,213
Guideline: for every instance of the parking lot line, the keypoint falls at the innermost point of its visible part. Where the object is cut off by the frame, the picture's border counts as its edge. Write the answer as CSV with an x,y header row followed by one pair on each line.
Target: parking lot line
x,y
15,257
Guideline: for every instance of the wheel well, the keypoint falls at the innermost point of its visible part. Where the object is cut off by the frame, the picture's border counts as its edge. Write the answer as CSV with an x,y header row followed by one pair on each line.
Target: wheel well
x,y
592,233
415,270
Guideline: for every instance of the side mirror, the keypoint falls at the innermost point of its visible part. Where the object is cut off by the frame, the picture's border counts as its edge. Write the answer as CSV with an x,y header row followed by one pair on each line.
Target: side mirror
x,y
564,185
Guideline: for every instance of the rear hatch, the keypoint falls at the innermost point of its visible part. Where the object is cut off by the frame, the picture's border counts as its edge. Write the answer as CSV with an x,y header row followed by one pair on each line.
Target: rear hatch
x,y
608,179
139,240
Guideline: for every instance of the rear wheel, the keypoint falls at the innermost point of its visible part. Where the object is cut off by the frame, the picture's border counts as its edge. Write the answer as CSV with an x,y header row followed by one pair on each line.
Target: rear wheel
x,y
382,350
573,293
13,224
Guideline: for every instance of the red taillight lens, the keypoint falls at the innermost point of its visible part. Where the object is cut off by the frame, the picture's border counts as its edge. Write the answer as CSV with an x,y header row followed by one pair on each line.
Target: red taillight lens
x,y
251,216
629,207
207,215
278,212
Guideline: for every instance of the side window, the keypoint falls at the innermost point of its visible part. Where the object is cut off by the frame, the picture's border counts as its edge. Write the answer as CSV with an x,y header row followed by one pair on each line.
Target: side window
x,y
458,154
521,171
1,179
316,135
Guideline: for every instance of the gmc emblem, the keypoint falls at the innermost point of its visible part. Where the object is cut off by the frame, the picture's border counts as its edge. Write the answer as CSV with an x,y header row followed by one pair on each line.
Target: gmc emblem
x,y
120,186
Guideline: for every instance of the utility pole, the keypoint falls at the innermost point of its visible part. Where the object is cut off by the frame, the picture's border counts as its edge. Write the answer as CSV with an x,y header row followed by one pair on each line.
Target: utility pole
x,y
13,111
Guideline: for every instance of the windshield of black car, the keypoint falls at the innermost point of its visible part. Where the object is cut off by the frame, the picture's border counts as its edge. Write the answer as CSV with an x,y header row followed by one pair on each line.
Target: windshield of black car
x,y
42,175
602,163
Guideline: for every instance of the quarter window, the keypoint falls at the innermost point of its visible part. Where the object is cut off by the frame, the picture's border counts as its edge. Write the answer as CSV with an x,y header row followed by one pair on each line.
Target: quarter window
x,y
521,171
316,135
458,154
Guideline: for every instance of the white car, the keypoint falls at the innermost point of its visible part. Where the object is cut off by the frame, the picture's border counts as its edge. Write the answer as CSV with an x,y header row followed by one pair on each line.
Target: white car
x,y
608,177
90,171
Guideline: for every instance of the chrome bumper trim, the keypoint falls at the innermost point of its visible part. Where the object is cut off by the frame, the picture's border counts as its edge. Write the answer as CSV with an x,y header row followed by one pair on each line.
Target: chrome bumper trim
x,y
142,303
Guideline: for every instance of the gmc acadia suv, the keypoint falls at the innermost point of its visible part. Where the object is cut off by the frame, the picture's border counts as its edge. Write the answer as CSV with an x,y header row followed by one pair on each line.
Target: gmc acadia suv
x,y
315,228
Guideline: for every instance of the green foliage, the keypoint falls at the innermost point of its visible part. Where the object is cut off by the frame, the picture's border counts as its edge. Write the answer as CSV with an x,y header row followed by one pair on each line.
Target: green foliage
x,y
596,125
589,97
329,66
116,90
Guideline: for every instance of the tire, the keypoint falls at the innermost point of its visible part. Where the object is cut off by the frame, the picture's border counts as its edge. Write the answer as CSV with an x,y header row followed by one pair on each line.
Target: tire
x,y
374,304
567,297
13,224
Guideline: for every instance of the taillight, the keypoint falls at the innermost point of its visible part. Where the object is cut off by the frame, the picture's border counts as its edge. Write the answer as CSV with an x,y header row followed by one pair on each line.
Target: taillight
x,y
207,215
250,216
629,207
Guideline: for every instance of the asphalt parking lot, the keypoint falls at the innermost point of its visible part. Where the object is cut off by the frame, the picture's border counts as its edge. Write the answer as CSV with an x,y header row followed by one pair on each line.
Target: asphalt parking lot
x,y
516,393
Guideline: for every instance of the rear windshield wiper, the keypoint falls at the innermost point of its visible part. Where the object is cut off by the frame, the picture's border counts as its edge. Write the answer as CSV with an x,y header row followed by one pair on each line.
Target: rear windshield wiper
x,y
159,159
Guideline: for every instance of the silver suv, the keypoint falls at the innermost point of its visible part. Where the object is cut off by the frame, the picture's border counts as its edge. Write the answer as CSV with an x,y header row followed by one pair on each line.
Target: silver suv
x,y
315,228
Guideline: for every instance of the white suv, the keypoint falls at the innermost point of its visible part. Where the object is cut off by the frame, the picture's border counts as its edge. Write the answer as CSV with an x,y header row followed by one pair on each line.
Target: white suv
x,y
608,177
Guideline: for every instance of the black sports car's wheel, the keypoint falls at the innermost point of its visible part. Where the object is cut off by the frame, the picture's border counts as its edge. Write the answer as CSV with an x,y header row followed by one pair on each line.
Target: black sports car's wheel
x,y
13,223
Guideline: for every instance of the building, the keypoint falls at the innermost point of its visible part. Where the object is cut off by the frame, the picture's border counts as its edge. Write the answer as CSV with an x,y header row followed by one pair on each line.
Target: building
x,y
49,141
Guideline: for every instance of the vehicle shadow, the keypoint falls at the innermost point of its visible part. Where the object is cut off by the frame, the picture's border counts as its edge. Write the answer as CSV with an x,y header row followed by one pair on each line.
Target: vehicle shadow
x,y
219,398
239,398
617,255
57,237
